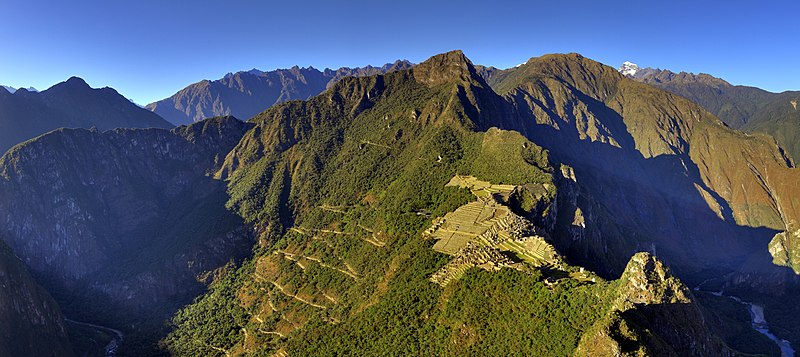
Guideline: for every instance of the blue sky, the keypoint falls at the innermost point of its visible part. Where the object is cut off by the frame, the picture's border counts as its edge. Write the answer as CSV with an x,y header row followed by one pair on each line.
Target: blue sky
x,y
148,50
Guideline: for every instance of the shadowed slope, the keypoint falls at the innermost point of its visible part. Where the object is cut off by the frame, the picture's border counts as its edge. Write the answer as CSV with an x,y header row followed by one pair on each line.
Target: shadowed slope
x,y
665,167
71,104
31,323
123,227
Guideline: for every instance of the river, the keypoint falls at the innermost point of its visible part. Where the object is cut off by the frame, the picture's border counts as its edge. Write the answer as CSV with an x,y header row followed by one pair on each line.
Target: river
x,y
111,347
758,322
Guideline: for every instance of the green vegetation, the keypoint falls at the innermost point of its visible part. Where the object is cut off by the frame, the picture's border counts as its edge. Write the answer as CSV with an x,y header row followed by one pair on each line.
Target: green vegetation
x,y
354,280
750,109
340,189
514,314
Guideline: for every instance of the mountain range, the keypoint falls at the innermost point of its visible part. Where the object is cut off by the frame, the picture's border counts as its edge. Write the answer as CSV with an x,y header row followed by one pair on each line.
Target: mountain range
x,y
442,208
72,104
246,93
12,89
746,108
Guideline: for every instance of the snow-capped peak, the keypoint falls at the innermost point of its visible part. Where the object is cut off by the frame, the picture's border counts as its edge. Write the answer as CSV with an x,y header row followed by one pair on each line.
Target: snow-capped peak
x,y
628,68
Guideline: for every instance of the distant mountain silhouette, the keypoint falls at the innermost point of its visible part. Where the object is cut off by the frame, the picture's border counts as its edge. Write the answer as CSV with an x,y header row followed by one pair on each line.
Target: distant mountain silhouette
x,y
73,104
12,89
247,93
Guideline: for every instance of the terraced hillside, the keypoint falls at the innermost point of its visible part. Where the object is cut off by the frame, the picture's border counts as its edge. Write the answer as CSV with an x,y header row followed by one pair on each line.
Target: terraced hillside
x,y
340,189
477,232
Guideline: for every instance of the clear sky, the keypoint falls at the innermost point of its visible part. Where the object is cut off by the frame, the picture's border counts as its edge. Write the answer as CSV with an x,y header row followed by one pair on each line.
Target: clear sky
x,y
148,50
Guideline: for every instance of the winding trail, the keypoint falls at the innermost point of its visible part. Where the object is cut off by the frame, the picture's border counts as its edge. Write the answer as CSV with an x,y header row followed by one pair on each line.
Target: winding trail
x,y
111,347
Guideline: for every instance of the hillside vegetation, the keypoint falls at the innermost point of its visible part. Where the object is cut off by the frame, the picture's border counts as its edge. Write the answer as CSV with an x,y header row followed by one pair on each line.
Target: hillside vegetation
x,y
341,188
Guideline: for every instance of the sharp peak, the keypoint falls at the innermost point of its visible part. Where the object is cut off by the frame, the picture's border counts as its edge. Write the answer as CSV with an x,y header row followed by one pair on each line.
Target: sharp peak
x,y
648,280
445,67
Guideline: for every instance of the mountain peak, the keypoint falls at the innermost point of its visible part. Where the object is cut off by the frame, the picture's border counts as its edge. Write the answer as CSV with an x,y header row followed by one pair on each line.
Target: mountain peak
x,y
444,68
649,281
628,68
76,82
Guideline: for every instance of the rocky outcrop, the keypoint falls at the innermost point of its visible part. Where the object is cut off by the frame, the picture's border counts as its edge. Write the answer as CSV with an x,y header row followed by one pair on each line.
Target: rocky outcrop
x,y
31,323
785,248
653,314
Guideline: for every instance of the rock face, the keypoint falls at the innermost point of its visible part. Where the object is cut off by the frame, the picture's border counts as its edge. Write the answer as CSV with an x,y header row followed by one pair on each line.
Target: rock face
x,y
31,323
124,221
747,108
71,104
654,314
245,94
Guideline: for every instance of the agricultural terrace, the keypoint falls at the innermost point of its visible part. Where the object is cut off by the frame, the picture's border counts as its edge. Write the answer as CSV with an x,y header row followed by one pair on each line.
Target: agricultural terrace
x,y
485,223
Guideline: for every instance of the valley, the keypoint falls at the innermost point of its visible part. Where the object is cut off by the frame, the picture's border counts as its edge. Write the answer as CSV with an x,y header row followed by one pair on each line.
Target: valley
x,y
416,209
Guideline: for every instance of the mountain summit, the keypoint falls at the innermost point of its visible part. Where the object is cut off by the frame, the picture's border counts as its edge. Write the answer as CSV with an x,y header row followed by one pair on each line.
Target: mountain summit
x,y
12,89
628,68
72,104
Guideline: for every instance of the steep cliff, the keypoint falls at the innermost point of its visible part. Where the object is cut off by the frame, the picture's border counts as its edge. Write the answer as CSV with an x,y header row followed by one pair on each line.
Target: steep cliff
x,y
121,225
662,166
338,191
746,108
341,188
735,105
31,323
